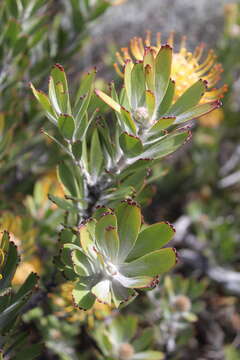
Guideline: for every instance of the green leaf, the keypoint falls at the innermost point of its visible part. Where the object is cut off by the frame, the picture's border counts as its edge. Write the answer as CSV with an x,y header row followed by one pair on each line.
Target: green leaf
x,y
9,266
108,100
105,136
26,287
13,29
82,297
77,149
4,243
66,178
189,99
120,294
106,235
150,102
66,236
102,291
114,194
123,328
53,96
66,125
136,180
129,222
137,165
81,264
45,103
136,282
123,99
131,145
137,86
96,156
149,355
87,242
148,58
86,84
197,111
81,109
161,124
167,100
144,341
61,88
127,120
152,264
30,352
150,77
151,238
65,254
166,146
127,79
62,203
20,45
65,149
129,323
163,65
9,315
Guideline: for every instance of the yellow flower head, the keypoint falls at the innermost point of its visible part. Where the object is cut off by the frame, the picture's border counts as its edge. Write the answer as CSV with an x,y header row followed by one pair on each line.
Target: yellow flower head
x,y
187,67
212,120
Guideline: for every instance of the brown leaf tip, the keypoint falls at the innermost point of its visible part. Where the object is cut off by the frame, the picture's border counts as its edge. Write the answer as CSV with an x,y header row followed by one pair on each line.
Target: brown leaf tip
x,y
131,202
107,213
131,135
166,46
171,226
59,67
176,254
110,228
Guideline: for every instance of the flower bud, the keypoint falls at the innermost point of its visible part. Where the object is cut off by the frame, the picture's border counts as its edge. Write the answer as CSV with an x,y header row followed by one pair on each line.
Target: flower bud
x,y
182,303
126,351
141,115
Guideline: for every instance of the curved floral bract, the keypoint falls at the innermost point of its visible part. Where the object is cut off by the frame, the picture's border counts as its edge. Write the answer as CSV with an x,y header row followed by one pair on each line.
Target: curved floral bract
x,y
113,256
162,90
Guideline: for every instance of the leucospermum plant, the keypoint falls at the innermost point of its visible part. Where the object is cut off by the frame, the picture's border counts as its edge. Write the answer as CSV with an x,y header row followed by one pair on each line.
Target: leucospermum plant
x,y
111,256
105,249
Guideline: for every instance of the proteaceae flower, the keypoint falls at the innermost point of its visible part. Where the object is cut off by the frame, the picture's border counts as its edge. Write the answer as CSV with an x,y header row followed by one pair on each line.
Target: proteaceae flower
x,y
187,67
162,90
115,256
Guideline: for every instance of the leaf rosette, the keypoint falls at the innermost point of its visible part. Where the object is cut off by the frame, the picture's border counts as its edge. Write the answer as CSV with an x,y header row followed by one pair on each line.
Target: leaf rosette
x,y
116,255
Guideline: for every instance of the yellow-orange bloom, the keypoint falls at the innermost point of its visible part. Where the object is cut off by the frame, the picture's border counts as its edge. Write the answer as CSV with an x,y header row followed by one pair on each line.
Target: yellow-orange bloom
x,y
187,67
213,119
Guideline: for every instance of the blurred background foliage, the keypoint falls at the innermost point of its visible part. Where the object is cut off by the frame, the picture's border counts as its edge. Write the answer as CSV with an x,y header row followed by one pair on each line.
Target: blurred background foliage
x,y
195,310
